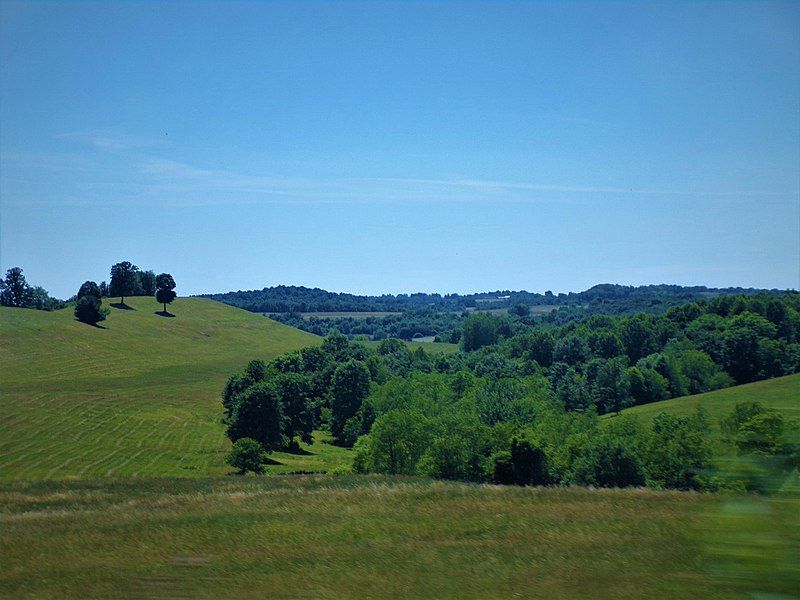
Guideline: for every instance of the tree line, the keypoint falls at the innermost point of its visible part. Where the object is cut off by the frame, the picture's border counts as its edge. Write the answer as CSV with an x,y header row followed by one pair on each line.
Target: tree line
x,y
522,405
404,326
16,292
599,299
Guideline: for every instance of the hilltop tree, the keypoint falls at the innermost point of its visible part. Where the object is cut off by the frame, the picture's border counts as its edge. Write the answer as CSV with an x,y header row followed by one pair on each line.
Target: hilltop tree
x,y
147,283
15,290
165,286
89,288
124,280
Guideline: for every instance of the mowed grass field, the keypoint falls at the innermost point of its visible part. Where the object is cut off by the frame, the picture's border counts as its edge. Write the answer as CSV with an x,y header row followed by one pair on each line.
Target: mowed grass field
x,y
139,397
358,537
781,393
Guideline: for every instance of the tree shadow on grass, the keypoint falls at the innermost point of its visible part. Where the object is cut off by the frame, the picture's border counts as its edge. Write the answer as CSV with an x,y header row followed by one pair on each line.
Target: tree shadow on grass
x,y
121,306
161,313
96,325
272,461
298,451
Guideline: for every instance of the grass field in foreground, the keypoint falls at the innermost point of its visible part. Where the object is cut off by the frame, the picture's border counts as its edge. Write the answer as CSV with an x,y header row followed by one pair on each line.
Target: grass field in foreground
x,y
138,397
781,393
365,537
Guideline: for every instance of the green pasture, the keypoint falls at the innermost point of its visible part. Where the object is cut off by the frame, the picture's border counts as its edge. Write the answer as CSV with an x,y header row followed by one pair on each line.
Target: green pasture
x,y
781,393
137,397
363,537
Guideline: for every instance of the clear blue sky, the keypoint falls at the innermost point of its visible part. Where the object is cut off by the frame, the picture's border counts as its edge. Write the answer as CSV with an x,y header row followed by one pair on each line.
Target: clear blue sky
x,y
403,147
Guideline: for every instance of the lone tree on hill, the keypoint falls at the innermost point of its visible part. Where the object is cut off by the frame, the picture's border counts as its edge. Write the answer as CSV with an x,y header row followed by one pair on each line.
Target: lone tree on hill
x,y
165,286
124,280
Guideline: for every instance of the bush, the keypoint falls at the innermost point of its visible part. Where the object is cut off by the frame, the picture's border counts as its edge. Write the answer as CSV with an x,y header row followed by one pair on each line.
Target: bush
x,y
88,310
247,455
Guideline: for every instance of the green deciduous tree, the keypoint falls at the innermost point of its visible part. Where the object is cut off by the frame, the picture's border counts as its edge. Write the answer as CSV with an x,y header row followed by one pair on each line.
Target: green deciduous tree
x,y
349,387
124,280
89,288
478,330
147,283
165,289
258,413
247,455
15,290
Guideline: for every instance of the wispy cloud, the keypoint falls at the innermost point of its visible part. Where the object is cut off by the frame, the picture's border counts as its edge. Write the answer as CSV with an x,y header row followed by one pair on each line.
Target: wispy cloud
x,y
481,184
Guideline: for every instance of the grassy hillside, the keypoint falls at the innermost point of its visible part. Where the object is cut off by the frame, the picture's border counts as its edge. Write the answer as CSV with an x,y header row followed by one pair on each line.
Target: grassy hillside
x,y
139,396
782,393
334,537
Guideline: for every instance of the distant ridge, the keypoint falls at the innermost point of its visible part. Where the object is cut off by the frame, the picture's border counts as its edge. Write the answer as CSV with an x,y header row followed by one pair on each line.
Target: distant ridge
x,y
290,298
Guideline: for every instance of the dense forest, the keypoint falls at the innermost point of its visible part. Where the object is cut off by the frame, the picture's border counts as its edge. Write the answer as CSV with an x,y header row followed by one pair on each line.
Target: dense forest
x,y
626,299
521,403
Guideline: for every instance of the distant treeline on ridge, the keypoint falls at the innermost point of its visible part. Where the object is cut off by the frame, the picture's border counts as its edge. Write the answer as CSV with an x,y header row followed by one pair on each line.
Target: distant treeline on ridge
x,y
283,298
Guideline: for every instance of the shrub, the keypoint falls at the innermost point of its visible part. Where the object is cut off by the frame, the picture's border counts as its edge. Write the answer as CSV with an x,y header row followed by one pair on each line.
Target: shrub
x,y
247,455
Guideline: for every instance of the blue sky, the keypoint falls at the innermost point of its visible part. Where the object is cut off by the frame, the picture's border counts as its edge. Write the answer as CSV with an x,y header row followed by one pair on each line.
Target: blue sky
x,y
374,147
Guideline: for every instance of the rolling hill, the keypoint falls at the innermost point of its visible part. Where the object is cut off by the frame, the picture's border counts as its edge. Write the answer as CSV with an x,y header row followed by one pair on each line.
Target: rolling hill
x,y
781,393
137,397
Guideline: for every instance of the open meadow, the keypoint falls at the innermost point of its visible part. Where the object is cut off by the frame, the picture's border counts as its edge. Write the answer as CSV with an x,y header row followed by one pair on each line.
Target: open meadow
x,y
365,537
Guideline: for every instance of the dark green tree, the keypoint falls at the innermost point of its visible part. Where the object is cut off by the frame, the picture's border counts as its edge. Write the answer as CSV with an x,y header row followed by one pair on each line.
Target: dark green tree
x,y
89,288
349,388
296,394
147,283
15,290
124,280
165,289
478,330
257,413
88,310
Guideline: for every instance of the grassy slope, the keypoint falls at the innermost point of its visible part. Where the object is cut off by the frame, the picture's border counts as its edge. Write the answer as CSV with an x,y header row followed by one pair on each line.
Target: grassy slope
x,y
348,536
782,393
138,397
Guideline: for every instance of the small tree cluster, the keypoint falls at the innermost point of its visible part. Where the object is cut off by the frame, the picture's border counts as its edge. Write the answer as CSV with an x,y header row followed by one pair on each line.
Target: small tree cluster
x,y
128,280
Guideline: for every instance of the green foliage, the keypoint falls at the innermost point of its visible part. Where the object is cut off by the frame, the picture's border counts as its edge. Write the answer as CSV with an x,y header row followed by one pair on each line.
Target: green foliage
x,y
479,329
88,310
247,455
349,388
608,461
124,280
147,283
678,451
396,443
89,288
15,292
165,289
458,449
258,413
